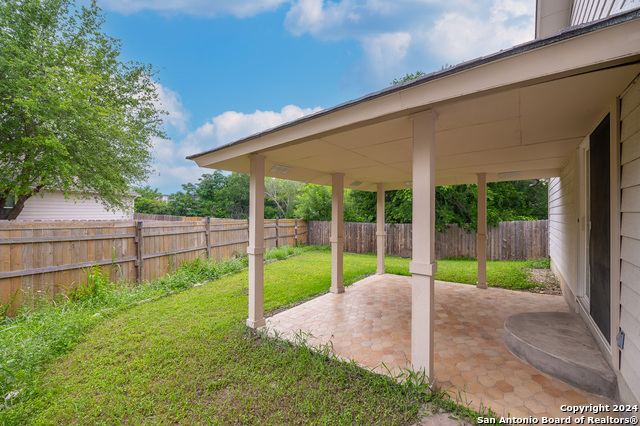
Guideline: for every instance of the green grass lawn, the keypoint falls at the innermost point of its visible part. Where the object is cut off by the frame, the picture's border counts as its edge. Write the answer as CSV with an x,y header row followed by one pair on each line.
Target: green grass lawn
x,y
188,358
511,275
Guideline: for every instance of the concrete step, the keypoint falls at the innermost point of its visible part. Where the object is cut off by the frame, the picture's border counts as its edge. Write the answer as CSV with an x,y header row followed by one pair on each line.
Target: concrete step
x,y
560,344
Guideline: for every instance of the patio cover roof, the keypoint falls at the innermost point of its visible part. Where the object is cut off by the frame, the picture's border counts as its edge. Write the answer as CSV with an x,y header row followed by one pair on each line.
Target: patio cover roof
x,y
522,110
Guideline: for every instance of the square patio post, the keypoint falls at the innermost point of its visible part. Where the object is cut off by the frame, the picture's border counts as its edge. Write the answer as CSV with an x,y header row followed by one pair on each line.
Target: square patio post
x,y
423,265
482,231
256,242
381,235
337,231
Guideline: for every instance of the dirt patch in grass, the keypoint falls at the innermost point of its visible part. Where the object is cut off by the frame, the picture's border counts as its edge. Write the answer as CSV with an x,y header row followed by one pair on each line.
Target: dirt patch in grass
x,y
545,280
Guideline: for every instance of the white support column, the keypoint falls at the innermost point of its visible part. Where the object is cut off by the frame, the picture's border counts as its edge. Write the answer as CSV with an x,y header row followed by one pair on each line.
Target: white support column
x,y
423,265
337,231
256,242
482,231
381,235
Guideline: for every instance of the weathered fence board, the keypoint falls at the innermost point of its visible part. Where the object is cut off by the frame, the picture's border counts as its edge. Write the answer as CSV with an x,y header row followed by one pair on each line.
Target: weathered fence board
x,y
164,217
519,240
42,257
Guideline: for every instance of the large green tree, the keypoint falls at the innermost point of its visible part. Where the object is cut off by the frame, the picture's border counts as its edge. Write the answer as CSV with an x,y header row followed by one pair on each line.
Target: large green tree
x,y
314,203
149,201
283,194
73,116
215,195
204,198
236,196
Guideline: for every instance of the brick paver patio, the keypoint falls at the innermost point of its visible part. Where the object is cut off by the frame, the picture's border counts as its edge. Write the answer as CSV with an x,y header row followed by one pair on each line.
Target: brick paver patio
x,y
370,323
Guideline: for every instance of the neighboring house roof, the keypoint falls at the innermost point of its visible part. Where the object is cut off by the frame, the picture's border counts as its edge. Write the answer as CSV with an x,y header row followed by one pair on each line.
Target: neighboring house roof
x,y
522,110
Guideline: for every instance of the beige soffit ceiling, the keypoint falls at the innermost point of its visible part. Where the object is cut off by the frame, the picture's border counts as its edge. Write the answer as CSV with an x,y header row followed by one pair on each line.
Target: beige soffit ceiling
x,y
515,115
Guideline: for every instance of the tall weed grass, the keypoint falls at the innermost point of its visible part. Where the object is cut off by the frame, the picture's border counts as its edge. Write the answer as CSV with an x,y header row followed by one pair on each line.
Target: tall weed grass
x,y
45,329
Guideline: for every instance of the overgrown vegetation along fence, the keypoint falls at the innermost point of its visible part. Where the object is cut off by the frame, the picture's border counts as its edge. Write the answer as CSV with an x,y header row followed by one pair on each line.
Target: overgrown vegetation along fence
x,y
44,256
520,240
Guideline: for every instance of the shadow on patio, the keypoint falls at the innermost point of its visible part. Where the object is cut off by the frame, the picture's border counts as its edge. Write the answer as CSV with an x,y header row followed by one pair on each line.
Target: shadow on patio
x,y
370,323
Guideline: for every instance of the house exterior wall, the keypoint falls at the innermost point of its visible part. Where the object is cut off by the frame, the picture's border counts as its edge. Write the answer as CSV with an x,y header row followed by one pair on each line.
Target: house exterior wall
x,y
555,15
56,207
552,16
591,10
563,229
563,240
630,238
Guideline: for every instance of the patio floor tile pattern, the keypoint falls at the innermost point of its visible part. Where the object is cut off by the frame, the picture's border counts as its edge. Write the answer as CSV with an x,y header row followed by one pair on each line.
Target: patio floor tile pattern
x,y
370,323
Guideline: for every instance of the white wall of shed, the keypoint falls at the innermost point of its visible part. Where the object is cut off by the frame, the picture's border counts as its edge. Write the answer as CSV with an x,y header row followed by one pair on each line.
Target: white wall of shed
x,y
56,207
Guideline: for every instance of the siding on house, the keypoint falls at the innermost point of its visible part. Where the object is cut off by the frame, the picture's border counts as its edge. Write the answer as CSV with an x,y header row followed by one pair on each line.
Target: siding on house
x,y
591,10
552,16
563,228
630,237
56,207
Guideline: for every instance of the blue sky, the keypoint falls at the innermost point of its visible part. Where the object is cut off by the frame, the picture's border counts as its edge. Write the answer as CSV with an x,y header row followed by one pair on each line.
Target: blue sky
x,y
230,68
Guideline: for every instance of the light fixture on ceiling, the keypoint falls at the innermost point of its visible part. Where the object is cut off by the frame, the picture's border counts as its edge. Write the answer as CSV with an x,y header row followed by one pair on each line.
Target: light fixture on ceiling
x,y
509,175
279,168
408,183
356,183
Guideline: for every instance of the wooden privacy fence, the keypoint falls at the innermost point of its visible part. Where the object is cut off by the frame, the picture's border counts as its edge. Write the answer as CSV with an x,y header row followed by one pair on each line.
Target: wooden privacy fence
x,y
167,217
519,240
35,256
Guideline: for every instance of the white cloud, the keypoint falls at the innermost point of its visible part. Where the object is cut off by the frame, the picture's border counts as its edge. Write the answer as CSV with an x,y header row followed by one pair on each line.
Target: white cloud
x,y
171,102
206,8
334,20
505,9
170,164
331,21
460,36
233,125
406,35
385,52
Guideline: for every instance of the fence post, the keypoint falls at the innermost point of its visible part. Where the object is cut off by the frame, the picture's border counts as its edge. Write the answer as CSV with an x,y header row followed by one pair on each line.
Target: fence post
x,y
207,234
296,232
139,252
277,232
